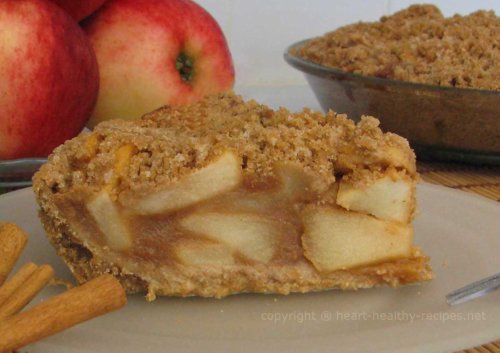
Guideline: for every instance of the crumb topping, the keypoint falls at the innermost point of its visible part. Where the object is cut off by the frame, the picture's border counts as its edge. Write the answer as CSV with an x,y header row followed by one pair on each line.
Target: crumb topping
x,y
418,45
174,141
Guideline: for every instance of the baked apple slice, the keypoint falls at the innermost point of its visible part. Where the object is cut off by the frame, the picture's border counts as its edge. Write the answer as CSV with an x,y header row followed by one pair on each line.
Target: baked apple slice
x,y
110,222
335,239
220,176
388,197
252,236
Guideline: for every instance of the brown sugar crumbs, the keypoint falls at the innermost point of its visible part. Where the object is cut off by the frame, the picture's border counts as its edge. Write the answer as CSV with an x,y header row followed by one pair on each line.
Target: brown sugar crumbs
x,y
173,141
418,45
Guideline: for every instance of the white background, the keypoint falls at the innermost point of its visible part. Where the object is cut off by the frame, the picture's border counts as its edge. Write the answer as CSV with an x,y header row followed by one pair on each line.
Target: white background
x,y
258,31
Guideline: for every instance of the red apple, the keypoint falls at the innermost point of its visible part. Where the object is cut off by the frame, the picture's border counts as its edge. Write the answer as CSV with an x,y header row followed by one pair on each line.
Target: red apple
x,y
49,78
153,53
79,9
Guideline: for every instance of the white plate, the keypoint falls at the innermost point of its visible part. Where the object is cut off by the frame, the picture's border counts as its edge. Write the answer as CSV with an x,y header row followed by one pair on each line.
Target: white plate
x,y
459,231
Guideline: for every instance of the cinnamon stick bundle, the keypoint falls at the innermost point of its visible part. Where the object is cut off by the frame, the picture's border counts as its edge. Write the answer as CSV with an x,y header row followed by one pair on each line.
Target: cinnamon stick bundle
x,y
16,281
27,291
97,297
12,242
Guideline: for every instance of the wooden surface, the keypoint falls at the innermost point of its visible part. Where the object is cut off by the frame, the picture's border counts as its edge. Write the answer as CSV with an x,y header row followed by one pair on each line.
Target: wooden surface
x,y
492,347
484,181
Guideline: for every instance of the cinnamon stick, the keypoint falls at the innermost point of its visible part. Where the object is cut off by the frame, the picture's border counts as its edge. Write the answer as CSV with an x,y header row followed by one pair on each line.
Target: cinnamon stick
x,y
16,281
12,242
97,297
27,291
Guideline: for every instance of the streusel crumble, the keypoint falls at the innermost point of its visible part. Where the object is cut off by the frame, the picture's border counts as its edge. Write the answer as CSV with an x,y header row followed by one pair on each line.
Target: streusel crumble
x,y
418,45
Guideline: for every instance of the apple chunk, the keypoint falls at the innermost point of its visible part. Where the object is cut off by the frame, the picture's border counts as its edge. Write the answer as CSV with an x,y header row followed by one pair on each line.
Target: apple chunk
x,y
108,219
335,239
222,175
199,253
295,183
252,235
385,198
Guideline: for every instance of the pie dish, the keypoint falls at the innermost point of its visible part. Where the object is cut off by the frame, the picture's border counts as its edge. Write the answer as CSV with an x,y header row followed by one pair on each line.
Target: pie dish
x,y
225,196
430,79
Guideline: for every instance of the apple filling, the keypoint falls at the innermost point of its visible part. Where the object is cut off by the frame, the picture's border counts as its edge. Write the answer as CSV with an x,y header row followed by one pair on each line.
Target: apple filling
x,y
220,217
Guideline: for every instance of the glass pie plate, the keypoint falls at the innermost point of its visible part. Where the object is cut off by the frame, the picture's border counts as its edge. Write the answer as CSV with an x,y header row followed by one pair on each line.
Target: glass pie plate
x,y
17,173
441,123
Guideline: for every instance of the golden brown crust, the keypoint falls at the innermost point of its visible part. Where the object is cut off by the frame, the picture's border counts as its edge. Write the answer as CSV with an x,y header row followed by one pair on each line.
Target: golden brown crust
x,y
418,45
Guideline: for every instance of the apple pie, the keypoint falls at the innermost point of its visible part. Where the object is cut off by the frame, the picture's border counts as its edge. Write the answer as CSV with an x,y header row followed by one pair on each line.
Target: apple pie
x,y
417,44
226,196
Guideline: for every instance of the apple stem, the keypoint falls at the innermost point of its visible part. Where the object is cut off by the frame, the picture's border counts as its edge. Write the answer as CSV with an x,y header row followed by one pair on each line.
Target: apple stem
x,y
184,65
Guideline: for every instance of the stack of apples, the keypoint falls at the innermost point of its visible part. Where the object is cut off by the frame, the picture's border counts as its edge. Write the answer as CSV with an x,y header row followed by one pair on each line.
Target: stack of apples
x,y
68,63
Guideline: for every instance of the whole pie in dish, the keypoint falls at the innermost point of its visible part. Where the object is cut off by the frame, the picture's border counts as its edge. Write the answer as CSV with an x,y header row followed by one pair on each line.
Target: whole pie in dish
x,y
225,196
417,44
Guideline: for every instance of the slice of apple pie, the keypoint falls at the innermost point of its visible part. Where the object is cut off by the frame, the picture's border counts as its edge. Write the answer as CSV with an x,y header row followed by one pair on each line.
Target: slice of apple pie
x,y
226,196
